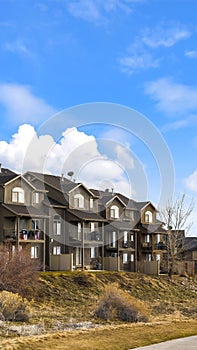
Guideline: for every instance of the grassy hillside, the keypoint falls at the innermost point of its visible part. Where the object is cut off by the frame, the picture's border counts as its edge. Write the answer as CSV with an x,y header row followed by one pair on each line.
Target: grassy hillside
x,y
73,296
66,302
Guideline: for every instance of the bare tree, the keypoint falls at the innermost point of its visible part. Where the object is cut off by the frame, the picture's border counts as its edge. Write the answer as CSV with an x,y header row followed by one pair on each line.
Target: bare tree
x,y
18,272
176,218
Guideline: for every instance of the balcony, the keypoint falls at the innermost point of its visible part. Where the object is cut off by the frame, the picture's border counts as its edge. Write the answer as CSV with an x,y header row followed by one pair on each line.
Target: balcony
x,y
146,246
89,237
160,246
127,244
9,234
24,235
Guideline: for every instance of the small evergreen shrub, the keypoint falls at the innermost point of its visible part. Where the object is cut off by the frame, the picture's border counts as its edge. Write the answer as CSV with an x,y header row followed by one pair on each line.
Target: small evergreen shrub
x,y
13,307
116,304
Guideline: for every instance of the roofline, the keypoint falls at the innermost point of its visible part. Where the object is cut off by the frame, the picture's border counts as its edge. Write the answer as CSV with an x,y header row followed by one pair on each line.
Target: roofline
x,y
116,196
87,189
22,214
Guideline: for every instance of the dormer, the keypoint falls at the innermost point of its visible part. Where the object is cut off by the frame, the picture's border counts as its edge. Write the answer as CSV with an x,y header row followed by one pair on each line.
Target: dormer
x,y
148,213
114,207
82,198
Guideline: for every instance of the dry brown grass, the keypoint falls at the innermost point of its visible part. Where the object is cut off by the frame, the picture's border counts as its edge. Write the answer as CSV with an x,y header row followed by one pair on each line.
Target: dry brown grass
x,y
117,337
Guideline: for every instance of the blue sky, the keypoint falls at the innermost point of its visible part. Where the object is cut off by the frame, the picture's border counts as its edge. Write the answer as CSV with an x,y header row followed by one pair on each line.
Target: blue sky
x,y
56,54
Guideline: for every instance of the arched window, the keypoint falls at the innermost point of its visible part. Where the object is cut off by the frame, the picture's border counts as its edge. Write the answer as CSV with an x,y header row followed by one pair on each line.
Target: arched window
x,y
78,201
18,195
148,216
114,212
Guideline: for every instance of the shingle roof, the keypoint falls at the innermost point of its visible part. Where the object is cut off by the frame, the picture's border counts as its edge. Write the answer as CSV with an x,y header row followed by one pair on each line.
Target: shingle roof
x,y
190,243
25,210
6,175
86,215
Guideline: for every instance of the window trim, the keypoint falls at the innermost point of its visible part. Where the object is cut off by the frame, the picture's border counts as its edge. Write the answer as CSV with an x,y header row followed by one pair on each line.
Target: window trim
x,y
18,195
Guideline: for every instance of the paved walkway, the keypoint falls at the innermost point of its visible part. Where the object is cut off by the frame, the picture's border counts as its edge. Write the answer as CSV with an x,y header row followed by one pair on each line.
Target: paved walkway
x,y
189,343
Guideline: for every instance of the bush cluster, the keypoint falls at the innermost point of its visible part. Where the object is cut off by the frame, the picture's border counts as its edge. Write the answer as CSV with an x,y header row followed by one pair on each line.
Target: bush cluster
x,y
116,304
13,307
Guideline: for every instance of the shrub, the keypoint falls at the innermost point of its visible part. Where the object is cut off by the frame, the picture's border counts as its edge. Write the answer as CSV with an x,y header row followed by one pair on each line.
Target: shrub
x,y
118,304
18,272
13,307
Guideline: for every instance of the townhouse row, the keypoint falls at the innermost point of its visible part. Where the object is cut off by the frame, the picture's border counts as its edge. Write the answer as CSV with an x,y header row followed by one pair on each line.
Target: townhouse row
x,y
67,226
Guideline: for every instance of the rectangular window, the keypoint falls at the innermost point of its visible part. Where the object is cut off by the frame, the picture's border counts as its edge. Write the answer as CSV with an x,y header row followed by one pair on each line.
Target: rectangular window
x,y
79,231
148,257
92,226
34,252
132,237
125,236
92,252
36,197
35,224
158,238
147,239
78,256
158,258
56,250
132,257
112,237
125,258
56,225
91,203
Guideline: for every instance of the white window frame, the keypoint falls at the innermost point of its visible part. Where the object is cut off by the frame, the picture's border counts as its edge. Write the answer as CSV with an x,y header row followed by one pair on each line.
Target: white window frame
x,y
125,233
35,224
78,201
148,216
158,257
79,231
92,226
57,224
114,212
18,195
92,252
57,250
113,239
147,238
158,238
91,203
36,197
132,237
78,256
125,258
34,252
132,257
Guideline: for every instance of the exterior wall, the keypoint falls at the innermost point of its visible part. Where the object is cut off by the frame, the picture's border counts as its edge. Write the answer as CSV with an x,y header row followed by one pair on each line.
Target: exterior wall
x,y
117,203
149,267
111,264
63,262
186,268
151,209
81,190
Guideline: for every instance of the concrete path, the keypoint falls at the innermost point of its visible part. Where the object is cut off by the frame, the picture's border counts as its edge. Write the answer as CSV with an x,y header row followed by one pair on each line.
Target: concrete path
x,y
189,343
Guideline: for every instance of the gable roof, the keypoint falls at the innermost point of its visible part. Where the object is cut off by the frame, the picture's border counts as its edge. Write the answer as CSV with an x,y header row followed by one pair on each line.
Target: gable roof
x,y
190,243
6,175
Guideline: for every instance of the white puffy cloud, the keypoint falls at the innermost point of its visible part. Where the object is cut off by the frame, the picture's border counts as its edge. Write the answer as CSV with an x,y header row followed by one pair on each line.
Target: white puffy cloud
x,y
137,61
191,181
75,151
191,54
95,10
22,105
164,35
171,97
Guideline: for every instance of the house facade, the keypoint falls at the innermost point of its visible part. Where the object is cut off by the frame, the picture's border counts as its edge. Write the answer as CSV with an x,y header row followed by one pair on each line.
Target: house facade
x,y
68,226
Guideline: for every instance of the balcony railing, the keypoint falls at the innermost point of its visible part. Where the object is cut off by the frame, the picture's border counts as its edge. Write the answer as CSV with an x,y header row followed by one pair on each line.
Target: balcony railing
x,y
31,235
127,244
95,236
146,246
9,234
160,246
25,235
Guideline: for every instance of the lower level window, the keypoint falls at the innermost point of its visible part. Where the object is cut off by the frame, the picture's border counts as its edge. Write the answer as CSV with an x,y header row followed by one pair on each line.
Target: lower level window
x,y
125,258
34,252
56,250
